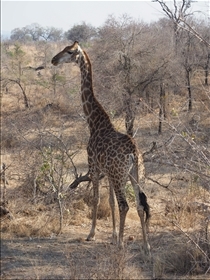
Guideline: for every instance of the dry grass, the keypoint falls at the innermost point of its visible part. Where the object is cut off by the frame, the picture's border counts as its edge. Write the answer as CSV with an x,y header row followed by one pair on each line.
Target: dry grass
x,y
105,262
103,208
181,257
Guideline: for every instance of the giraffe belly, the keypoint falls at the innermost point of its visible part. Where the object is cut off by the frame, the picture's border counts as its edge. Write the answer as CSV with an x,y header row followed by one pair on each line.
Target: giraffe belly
x,y
113,163
112,152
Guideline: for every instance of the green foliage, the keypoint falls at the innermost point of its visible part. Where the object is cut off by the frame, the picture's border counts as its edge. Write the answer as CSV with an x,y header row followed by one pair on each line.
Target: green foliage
x,y
54,168
17,52
130,193
58,78
184,134
72,91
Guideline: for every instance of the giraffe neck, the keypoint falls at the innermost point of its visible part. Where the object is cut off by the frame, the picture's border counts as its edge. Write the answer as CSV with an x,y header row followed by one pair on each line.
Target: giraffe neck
x,y
96,116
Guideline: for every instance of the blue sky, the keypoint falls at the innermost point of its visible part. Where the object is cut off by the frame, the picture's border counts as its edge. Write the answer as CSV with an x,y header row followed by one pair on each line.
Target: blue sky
x,y
64,14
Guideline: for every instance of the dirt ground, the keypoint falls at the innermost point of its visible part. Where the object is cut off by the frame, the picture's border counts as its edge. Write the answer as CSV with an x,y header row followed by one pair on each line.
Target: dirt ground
x,y
68,256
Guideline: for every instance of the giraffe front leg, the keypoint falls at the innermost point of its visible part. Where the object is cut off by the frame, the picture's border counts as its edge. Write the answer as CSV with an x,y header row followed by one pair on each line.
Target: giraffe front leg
x,y
96,200
112,206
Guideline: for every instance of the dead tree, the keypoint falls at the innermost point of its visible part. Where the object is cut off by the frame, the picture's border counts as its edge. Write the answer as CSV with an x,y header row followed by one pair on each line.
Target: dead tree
x,y
3,210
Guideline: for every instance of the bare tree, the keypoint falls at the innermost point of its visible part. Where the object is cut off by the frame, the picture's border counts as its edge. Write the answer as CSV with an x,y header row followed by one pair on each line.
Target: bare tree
x,y
188,53
184,43
178,13
36,32
204,49
137,63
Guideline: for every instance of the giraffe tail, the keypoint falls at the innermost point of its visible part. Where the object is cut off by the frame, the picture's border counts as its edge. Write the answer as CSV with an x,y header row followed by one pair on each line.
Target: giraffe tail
x,y
143,201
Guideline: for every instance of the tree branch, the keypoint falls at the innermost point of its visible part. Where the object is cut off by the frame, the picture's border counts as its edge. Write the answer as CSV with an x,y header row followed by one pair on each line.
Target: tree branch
x,y
193,31
82,178
161,185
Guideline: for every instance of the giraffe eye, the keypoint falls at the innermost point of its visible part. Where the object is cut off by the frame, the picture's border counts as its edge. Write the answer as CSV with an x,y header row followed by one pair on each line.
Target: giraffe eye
x,y
69,52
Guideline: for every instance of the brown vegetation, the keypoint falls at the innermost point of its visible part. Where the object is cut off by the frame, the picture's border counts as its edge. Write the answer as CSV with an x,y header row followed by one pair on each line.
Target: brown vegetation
x,y
43,146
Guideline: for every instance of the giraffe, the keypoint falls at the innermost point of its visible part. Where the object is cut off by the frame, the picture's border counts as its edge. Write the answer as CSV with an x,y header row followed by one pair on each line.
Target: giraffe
x,y
110,152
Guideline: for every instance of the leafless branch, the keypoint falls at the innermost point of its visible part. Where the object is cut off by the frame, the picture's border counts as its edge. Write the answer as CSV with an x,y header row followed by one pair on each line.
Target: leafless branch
x,y
193,31
180,167
158,183
154,147
179,15
195,243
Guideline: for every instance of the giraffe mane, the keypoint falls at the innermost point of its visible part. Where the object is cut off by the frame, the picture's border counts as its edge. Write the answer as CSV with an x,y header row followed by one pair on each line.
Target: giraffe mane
x,y
91,73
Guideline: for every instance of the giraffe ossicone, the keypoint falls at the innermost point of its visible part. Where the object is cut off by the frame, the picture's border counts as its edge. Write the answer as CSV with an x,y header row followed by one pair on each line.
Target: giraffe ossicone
x,y
109,152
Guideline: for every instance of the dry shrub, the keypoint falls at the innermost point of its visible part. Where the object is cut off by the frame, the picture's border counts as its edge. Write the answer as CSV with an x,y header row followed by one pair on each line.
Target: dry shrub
x,y
9,140
181,257
79,205
111,265
103,262
188,209
65,102
103,208
31,222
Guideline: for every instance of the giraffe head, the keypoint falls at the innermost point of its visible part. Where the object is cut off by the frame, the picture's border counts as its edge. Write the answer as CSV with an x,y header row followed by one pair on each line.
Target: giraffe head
x,y
67,55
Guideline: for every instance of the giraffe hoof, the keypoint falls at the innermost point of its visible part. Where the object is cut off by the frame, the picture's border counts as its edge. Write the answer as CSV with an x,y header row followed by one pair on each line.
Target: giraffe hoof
x,y
121,245
90,238
114,239
147,250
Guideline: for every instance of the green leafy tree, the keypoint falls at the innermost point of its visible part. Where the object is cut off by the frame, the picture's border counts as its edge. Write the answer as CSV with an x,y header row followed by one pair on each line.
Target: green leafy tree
x,y
81,32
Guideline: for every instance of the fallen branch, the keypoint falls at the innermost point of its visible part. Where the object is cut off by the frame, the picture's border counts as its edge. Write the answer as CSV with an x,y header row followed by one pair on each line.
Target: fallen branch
x,y
82,178
154,147
79,179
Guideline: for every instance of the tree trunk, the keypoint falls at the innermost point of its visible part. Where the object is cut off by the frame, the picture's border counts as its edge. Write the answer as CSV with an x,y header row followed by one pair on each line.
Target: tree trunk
x,y
25,99
162,111
129,115
206,70
189,90
206,83
24,96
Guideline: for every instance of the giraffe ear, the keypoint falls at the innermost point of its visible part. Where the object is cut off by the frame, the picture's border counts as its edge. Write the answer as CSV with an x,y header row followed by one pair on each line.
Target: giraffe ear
x,y
76,43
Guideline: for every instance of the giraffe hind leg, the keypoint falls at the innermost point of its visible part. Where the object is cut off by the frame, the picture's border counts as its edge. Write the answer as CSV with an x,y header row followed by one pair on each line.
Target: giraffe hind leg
x,y
143,201
142,207
123,209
